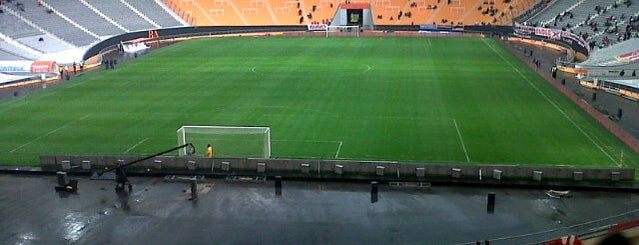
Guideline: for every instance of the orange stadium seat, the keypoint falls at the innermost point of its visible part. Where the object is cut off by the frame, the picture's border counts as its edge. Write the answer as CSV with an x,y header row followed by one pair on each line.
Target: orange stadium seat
x,y
385,12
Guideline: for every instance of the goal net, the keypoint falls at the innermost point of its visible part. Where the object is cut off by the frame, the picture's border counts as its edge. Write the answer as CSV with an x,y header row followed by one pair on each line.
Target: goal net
x,y
342,31
227,141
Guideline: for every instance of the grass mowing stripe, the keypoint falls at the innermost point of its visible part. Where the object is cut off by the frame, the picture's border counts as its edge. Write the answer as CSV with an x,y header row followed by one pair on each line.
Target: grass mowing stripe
x,y
552,103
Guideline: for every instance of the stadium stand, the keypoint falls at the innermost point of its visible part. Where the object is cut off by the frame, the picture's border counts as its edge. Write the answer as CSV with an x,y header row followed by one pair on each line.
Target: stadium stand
x,y
610,28
122,14
52,22
14,27
610,57
45,43
287,11
161,16
321,11
550,13
9,56
18,49
601,23
62,28
257,12
385,12
613,69
84,16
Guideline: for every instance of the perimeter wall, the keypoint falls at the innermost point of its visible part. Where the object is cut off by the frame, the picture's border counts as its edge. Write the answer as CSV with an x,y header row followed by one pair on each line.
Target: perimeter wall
x,y
335,169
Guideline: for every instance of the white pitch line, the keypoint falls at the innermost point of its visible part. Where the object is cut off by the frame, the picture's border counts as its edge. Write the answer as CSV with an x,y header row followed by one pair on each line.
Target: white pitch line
x,y
429,43
136,145
339,148
308,141
49,133
38,138
552,103
461,140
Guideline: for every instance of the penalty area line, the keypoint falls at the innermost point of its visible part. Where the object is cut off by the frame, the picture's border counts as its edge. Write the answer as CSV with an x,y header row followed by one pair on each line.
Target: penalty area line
x,y
136,145
461,140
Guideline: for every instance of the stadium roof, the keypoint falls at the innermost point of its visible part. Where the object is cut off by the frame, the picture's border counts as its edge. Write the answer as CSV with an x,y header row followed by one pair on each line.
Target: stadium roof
x,y
627,82
624,53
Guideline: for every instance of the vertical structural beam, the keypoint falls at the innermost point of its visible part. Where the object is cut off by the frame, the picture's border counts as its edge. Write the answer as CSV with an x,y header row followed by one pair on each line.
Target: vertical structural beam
x,y
374,190
278,185
193,189
490,207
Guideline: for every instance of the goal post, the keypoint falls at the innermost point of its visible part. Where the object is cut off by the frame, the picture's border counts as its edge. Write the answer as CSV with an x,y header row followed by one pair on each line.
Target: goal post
x,y
347,29
227,141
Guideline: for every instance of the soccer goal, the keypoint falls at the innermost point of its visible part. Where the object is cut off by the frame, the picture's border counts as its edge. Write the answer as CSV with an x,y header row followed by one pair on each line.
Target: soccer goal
x,y
227,141
332,30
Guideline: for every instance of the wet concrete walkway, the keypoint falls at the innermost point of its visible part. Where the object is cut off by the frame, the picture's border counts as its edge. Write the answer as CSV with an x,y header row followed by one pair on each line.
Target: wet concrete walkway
x,y
158,212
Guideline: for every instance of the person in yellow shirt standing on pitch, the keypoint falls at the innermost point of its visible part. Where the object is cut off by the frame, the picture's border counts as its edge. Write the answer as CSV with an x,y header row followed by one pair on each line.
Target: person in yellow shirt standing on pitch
x,y
209,151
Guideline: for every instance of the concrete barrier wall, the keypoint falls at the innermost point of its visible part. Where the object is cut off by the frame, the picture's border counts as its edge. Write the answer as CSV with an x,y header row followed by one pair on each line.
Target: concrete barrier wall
x,y
314,168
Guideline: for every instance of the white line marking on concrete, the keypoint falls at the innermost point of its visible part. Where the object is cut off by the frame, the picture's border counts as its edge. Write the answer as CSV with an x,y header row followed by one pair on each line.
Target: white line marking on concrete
x,y
49,133
136,145
461,140
552,103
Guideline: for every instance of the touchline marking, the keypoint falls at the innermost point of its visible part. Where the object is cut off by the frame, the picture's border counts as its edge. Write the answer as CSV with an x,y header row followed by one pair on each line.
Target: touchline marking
x,y
461,140
308,141
136,145
552,103
339,147
49,133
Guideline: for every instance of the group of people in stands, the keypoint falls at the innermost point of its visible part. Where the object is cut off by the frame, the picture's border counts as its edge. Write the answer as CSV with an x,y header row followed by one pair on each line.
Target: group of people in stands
x,y
611,25
309,16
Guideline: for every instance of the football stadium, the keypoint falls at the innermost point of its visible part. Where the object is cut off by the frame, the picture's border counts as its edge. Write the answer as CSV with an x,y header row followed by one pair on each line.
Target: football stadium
x,y
388,121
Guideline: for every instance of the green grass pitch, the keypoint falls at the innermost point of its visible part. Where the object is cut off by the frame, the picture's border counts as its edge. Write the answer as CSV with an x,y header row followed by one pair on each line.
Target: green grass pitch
x,y
411,99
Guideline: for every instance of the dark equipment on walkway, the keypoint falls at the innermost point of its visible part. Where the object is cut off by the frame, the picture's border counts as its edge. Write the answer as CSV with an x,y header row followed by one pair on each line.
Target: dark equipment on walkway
x,y
120,176
64,185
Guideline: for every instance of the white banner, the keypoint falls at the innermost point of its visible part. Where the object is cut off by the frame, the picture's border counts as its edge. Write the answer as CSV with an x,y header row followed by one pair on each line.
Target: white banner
x,y
317,27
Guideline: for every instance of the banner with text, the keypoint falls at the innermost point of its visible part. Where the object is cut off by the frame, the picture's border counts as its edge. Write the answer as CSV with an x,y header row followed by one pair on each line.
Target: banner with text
x,y
552,34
